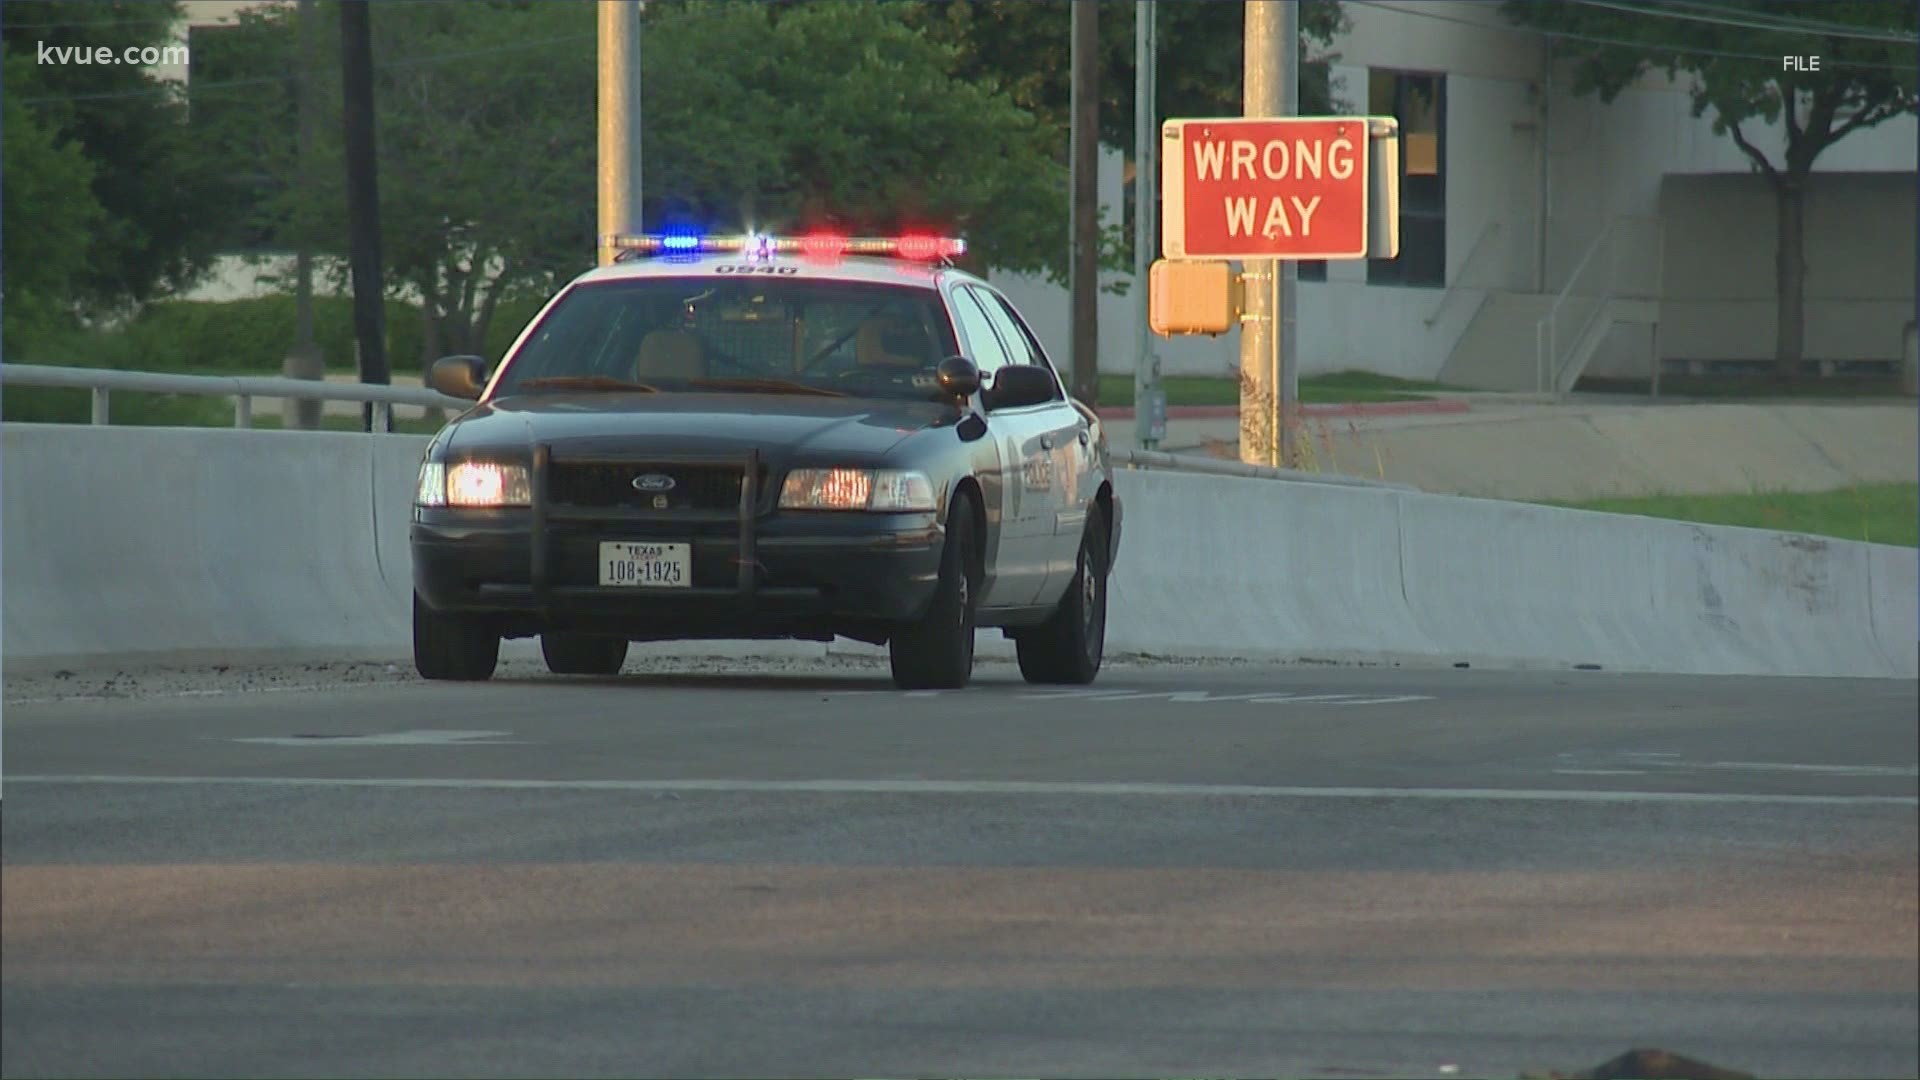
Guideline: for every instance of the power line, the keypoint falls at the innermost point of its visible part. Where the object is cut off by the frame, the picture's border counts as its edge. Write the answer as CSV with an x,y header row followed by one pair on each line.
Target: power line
x,y
1793,22
1746,24
1563,35
391,65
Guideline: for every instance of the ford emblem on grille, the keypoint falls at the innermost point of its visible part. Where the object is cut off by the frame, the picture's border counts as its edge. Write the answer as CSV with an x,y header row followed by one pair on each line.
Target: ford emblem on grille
x,y
653,482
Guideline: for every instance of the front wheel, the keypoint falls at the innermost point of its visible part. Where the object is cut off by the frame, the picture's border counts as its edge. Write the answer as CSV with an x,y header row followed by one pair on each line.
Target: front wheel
x,y
936,652
1069,646
450,646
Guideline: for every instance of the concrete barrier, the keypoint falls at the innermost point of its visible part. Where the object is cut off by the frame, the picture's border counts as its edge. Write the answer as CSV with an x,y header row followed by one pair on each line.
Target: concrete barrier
x,y
186,544
1894,592
1220,566
128,545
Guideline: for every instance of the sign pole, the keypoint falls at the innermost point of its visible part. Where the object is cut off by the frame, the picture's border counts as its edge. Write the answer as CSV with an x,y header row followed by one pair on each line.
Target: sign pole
x,y
1258,359
1148,415
619,122
1286,368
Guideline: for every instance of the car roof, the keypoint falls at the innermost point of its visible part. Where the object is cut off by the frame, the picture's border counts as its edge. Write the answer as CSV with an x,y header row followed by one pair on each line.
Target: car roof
x,y
858,269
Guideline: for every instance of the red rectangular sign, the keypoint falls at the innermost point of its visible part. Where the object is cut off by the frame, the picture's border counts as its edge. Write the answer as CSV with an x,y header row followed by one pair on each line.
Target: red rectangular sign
x,y
1284,188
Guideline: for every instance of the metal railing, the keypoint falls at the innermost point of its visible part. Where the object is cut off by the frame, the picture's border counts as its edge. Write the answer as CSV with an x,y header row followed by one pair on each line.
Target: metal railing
x,y
1154,459
1596,281
241,388
244,388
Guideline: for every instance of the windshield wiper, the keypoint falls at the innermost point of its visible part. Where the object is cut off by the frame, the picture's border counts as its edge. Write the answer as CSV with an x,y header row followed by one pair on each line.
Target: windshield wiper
x,y
586,382
765,386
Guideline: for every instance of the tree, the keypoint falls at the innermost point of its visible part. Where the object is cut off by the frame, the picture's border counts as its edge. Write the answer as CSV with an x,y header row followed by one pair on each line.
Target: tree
x,y
1734,52
1024,47
156,231
834,113
47,211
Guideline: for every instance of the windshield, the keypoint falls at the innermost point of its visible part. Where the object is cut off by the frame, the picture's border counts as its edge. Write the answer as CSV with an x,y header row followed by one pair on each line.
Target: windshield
x,y
737,335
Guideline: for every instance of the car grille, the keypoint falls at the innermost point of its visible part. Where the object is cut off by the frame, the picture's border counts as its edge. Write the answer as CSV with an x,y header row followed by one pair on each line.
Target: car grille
x,y
599,484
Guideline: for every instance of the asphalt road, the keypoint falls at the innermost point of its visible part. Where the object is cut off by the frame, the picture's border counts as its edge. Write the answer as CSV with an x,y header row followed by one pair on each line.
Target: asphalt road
x,y
1219,871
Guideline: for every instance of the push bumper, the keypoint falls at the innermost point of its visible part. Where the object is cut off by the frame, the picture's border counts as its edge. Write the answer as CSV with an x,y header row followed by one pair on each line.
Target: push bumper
x,y
753,572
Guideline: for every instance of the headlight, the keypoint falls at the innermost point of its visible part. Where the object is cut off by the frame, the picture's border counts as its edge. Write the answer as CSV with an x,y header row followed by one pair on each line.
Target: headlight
x,y
474,484
886,490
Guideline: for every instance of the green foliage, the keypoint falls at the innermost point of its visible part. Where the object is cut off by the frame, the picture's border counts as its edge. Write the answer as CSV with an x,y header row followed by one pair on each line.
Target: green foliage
x,y
1026,49
238,336
154,187
840,112
47,214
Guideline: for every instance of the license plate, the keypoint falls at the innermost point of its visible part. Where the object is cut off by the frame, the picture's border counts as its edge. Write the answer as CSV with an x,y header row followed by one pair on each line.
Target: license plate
x,y
646,566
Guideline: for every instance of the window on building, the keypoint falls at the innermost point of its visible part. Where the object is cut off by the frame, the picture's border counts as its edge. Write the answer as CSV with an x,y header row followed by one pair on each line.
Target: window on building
x,y
1418,101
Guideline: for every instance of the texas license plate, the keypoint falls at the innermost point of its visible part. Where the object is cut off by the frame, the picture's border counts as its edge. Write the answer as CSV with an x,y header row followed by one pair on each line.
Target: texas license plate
x,y
646,565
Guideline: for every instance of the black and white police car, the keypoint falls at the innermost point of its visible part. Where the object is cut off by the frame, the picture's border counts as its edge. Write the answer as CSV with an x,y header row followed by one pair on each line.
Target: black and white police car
x,y
767,437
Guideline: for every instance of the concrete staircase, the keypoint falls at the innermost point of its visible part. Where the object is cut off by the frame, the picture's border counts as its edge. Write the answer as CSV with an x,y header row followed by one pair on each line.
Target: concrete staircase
x,y
1496,351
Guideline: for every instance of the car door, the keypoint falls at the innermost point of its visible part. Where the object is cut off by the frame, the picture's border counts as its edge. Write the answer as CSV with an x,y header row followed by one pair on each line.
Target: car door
x,y
1022,562
1065,437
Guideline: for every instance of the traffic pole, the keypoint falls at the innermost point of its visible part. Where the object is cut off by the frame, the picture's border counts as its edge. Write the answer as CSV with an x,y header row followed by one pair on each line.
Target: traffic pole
x,y
1287,364
1261,422
1083,274
1148,402
619,122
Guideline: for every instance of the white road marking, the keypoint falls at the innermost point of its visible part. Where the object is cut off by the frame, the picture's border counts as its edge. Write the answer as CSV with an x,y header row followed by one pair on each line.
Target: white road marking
x,y
396,738
993,787
1198,697
1831,770
1602,772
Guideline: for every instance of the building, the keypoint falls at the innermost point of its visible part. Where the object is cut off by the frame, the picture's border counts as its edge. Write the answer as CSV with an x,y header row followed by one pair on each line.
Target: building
x,y
1545,236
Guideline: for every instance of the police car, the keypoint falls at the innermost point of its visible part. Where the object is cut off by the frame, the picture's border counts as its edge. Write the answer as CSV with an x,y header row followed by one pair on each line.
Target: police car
x,y
767,437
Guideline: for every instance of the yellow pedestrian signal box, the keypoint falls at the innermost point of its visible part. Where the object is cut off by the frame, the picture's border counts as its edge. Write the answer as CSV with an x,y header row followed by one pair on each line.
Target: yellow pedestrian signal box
x,y
1192,297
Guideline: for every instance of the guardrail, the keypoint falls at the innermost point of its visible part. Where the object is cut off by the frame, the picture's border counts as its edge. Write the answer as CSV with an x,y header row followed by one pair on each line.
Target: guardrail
x,y
244,388
241,388
1154,459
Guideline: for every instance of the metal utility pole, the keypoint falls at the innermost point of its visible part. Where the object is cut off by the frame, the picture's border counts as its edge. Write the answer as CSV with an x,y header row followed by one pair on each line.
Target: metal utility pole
x,y
363,196
1149,412
1084,268
1288,363
304,360
619,122
1263,426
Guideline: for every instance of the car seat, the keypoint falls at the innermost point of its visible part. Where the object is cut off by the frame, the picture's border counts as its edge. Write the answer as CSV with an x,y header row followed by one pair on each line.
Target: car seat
x,y
669,354
890,342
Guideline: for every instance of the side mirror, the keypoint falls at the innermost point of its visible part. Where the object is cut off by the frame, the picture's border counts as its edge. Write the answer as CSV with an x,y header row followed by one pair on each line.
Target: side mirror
x,y
459,376
1018,385
958,377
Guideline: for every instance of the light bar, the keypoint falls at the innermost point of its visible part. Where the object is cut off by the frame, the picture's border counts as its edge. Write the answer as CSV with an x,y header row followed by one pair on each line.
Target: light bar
x,y
920,247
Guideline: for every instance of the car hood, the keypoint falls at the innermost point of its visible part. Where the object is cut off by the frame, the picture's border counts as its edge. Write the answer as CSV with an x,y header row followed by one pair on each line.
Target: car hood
x,y
697,424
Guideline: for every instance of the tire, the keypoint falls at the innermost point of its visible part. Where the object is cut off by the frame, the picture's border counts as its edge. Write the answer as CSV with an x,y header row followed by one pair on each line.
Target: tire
x,y
936,652
579,654
455,647
1069,646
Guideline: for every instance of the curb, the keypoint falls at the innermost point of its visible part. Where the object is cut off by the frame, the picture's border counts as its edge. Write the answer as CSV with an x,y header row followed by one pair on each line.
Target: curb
x,y
1357,408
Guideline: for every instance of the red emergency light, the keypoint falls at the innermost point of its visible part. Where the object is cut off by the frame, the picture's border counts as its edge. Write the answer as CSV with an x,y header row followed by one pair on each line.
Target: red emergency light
x,y
919,247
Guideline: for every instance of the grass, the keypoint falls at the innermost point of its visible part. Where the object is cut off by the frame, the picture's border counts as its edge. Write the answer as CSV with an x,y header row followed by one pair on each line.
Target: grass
x,y
1336,387
1881,514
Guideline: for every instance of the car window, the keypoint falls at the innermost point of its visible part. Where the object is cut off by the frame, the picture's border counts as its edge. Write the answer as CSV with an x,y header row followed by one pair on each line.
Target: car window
x,y
987,352
1018,352
691,333
1025,333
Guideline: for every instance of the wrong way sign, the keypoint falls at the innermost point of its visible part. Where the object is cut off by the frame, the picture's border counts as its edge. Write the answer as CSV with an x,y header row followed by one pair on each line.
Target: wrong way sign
x,y
1268,188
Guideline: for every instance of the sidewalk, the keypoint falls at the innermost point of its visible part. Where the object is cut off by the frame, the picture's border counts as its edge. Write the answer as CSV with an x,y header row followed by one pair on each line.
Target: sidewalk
x,y
1507,449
